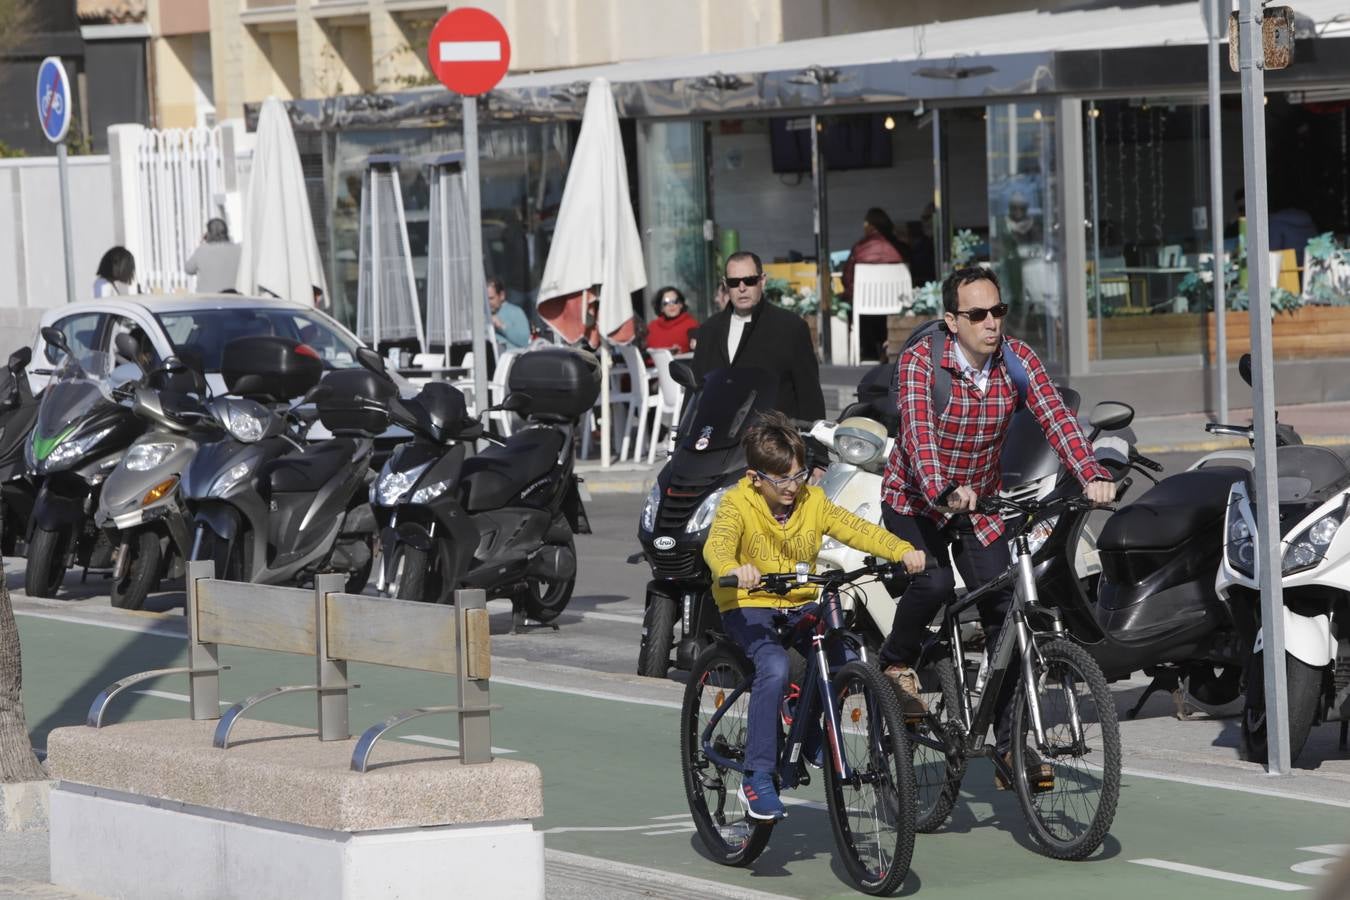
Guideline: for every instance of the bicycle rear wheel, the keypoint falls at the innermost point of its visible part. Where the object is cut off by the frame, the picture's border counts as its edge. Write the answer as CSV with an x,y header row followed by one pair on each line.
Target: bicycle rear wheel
x,y
936,741
1070,818
731,836
871,813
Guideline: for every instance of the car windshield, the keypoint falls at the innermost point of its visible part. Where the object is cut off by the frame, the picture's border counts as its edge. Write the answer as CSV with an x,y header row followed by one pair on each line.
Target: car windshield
x,y
203,333
79,385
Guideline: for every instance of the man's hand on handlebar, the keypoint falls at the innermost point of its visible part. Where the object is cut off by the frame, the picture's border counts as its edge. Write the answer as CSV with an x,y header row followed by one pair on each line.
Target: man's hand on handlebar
x,y
1101,492
959,500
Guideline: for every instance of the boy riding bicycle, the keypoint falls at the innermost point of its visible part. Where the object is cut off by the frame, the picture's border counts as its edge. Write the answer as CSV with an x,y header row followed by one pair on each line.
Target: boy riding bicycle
x,y
769,522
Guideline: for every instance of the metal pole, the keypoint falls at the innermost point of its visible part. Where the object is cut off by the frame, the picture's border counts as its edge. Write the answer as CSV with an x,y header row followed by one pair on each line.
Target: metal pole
x,y
376,268
938,225
1215,8
63,172
477,287
1096,226
820,214
1268,564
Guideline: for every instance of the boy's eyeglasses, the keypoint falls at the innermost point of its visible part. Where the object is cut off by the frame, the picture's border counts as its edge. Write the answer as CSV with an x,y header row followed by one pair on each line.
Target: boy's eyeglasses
x,y
786,481
747,280
978,315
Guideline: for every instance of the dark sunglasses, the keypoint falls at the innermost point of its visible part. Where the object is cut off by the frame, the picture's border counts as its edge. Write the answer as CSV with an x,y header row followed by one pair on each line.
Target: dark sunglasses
x,y
978,315
748,281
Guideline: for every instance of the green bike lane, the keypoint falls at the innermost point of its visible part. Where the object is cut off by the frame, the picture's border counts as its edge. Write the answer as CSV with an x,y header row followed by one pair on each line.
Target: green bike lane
x,y
612,785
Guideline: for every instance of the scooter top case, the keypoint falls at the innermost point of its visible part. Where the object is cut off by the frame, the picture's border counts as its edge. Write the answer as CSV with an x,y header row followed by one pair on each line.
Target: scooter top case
x,y
1160,556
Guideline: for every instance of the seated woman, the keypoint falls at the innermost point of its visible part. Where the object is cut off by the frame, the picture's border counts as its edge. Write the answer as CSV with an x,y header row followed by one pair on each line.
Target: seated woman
x,y
671,327
879,244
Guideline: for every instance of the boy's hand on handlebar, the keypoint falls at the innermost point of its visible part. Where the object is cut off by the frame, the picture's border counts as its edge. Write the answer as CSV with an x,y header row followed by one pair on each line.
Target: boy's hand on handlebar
x,y
747,576
1100,492
914,561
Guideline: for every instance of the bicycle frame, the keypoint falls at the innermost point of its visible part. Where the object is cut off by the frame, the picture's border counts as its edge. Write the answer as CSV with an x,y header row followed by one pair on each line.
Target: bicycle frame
x,y
828,625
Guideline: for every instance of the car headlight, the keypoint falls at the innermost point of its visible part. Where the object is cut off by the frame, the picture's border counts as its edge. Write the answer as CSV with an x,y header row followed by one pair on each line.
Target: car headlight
x,y
69,450
430,492
703,516
391,486
244,424
1308,549
225,483
858,442
650,508
144,457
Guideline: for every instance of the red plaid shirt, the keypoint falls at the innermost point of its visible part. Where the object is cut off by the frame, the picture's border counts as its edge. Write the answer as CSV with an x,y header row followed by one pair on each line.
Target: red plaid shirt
x,y
964,445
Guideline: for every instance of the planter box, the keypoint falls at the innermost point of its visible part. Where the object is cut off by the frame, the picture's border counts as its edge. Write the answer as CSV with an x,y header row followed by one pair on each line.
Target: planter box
x,y
838,339
1307,333
898,329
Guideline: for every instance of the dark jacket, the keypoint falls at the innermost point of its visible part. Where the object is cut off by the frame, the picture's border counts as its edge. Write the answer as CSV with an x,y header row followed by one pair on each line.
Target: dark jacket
x,y
776,341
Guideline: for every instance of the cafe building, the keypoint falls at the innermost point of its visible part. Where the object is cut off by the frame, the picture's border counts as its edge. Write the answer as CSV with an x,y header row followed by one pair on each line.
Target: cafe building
x,y
1067,150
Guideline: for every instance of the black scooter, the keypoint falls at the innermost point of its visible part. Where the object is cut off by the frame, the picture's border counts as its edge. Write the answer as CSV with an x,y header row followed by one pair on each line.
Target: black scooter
x,y
502,520
18,415
674,522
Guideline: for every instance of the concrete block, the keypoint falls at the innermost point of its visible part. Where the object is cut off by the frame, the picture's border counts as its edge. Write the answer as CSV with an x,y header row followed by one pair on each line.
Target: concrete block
x,y
99,842
24,805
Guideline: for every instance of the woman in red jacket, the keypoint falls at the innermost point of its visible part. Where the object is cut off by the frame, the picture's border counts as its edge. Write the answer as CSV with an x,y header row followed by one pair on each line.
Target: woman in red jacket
x,y
671,327
879,244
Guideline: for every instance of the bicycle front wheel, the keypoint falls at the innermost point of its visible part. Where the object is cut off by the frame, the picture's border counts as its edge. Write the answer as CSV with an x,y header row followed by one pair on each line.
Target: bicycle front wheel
x,y
1070,812
731,836
872,811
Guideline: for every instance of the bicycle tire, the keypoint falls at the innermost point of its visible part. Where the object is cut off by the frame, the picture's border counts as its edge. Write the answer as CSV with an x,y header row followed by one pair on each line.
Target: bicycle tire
x,y
936,742
879,863
730,835
1060,664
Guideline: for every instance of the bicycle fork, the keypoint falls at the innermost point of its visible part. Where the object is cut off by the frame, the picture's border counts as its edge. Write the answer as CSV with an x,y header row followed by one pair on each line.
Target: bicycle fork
x,y
1026,578
832,723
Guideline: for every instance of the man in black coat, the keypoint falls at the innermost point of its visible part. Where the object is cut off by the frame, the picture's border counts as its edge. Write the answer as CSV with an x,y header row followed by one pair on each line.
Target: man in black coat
x,y
750,333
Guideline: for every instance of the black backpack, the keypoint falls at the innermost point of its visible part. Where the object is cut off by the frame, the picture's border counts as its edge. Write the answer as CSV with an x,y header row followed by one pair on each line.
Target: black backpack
x,y
940,389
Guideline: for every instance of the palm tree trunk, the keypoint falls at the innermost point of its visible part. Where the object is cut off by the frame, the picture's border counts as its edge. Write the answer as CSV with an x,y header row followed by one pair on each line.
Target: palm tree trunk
x,y
17,762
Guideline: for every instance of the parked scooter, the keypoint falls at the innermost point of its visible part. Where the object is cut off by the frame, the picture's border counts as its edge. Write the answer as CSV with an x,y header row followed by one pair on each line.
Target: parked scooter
x,y
504,519
675,519
267,508
1314,500
18,414
82,430
140,507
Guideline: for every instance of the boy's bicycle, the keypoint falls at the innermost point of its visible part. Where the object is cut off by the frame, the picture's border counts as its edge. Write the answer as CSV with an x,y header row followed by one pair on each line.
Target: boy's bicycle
x,y
1064,714
863,750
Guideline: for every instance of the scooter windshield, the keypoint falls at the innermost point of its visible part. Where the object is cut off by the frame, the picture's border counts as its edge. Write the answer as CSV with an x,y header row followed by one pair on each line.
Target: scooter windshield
x,y
725,406
78,387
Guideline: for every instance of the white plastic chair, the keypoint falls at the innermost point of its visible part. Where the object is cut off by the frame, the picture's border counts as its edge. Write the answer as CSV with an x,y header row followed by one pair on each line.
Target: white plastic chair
x,y
497,391
465,385
635,400
1169,256
878,290
666,401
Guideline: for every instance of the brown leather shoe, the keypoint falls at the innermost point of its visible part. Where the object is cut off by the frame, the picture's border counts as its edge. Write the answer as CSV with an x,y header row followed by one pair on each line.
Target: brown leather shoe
x,y
1040,774
906,682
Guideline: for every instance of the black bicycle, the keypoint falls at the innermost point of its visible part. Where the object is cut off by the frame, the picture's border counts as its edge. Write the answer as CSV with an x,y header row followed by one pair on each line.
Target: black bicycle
x,y
1066,742
860,733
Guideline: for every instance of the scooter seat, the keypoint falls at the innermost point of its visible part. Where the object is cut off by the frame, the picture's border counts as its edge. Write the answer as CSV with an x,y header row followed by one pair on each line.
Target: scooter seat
x,y
309,469
493,477
1172,511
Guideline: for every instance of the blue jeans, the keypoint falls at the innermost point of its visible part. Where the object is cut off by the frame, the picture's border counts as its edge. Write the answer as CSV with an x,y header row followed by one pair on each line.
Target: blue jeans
x,y
754,630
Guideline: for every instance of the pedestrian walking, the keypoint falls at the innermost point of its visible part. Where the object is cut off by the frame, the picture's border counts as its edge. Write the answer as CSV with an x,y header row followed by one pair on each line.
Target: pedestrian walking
x,y
215,262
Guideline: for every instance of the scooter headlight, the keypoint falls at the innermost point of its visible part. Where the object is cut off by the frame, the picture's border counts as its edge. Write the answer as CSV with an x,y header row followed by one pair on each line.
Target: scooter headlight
x,y
1240,546
68,450
1307,550
391,486
144,457
244,424
858,442
650,508
703,516
226,483
430,492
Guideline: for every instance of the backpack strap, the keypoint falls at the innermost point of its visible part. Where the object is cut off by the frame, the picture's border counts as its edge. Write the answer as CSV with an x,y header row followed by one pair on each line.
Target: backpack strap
x,y
940,388
1017,370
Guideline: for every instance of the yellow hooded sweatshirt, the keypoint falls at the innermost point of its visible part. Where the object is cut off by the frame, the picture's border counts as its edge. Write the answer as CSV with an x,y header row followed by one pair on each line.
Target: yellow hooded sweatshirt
x,y
745,531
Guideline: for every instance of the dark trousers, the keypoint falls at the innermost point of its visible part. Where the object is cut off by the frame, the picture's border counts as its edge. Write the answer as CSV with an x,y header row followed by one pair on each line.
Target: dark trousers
x,y
914,611
753,628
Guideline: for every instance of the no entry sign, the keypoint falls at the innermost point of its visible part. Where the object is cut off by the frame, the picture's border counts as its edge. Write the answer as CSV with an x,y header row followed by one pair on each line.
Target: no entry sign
x,y
469,51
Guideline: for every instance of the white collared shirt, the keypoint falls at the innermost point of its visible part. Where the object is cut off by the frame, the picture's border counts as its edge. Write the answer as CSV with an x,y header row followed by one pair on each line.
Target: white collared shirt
x,y
734,332
978,377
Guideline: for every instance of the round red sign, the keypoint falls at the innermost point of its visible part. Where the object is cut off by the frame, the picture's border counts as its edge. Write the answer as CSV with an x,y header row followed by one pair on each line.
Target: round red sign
x,y
469,51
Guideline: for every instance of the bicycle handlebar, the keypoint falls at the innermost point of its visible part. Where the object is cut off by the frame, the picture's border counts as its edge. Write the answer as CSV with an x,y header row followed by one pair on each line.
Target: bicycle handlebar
x,y
782,582
992,506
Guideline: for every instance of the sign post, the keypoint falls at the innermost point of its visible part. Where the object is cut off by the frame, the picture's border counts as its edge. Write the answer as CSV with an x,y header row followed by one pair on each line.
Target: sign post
x,y
469,51
54,112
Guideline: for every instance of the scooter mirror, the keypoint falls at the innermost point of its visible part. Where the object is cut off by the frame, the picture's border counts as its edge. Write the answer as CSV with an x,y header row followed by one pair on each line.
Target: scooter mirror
x,y
1245,368
516,402
1111,416
55,338
370,359
317,393
683,375
19,359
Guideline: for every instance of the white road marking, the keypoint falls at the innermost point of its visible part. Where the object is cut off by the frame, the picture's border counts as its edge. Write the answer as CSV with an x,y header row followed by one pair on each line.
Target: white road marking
x,y
797,801
685,830
1240,788
170,695
1221,875
676,816
584,692
471,51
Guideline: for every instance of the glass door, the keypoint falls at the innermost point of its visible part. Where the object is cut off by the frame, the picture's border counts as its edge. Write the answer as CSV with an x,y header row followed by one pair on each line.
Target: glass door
x,y
673,204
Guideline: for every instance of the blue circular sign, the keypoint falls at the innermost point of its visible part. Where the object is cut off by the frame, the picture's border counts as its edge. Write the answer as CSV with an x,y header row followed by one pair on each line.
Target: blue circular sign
x,y
53,99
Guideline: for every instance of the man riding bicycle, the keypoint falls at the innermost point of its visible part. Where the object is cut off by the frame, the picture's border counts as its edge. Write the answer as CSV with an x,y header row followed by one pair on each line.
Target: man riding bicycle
x,y
946,459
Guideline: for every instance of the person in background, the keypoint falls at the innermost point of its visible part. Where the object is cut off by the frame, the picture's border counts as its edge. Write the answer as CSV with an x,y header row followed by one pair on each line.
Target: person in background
x,y
879,244
116,273
722,297
508,320
215,262
672,324
921,261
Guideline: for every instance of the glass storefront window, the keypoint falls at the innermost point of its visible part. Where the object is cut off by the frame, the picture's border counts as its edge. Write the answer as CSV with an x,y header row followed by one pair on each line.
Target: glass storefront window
x,y
1023,244
674,208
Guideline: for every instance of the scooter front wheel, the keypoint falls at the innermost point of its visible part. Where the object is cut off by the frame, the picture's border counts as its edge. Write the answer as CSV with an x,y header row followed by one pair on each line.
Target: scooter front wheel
x,y
410,574
142,570
1304,687
658,635
46,567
